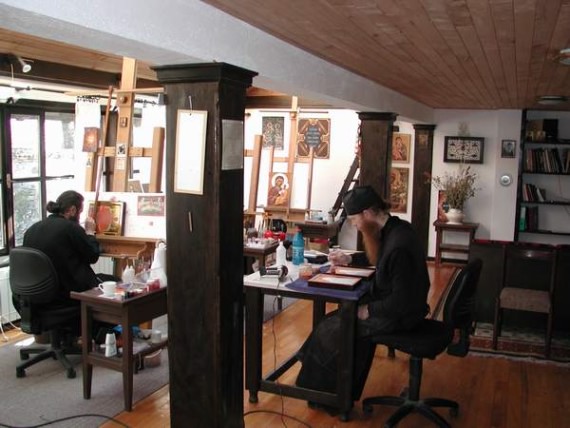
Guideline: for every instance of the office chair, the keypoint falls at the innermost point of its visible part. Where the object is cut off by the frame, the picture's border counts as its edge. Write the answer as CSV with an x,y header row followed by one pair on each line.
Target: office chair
x,y
429,340
34,284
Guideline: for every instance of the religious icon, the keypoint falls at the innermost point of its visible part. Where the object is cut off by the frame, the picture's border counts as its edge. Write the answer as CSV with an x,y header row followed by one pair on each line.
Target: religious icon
x,y
90,139
278,194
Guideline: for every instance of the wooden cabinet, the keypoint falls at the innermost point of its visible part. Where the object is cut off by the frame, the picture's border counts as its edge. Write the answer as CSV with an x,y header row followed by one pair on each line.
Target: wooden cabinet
x,y
543,194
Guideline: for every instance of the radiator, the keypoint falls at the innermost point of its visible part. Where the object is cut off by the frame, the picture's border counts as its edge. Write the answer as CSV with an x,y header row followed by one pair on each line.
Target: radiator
x,y
7,311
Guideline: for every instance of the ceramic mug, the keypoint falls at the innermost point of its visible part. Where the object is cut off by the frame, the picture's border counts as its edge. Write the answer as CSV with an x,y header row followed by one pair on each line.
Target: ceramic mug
x,y
108,288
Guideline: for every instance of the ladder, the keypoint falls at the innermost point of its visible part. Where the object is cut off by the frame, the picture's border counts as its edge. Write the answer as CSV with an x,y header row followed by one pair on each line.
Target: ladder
x,y
350,179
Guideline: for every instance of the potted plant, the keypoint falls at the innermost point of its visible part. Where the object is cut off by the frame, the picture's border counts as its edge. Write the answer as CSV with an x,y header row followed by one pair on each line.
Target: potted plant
x,y
458,187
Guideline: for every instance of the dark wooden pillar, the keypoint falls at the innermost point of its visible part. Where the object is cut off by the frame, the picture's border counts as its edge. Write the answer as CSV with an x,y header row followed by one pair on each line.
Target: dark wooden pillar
x,y
421,188
205,249
376,150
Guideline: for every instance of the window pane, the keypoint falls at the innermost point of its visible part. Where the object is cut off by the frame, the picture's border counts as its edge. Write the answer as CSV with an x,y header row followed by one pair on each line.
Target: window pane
x,y
59,144
27,209
54,188
25,131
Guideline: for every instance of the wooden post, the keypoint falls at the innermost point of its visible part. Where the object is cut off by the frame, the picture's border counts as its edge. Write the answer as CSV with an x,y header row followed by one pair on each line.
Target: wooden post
x,y
254,184
125,102
205,251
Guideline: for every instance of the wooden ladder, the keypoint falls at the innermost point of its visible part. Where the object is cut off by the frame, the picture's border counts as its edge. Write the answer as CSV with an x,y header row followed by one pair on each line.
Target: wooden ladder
x,y
351,178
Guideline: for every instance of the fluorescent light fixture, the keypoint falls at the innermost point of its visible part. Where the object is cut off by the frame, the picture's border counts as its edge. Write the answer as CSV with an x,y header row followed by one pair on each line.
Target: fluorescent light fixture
x,y
26,68
552,99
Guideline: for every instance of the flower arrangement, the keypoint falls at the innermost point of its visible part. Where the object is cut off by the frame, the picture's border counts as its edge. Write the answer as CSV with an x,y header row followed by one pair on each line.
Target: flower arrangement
x,y
458,186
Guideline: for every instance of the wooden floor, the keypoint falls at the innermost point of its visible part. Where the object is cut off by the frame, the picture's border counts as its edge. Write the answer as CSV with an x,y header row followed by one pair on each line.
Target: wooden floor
x,y
492,392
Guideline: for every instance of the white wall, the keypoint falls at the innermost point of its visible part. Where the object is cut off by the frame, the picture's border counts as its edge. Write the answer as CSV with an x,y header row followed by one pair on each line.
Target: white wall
x,y
493,207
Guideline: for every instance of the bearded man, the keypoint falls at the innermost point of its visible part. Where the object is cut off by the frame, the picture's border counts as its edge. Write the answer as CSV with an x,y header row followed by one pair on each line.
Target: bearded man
x,y
397,300
71,248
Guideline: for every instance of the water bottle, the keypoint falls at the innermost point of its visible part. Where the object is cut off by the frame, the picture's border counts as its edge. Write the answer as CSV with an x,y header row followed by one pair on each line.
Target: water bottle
x,y
298,248
281,255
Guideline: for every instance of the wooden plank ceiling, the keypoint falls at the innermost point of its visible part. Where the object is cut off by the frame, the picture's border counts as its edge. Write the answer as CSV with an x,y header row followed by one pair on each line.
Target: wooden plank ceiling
x,y
477,54
480,54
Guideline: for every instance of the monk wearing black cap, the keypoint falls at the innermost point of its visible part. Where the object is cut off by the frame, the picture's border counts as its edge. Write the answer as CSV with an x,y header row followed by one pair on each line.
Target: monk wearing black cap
x,y
398,296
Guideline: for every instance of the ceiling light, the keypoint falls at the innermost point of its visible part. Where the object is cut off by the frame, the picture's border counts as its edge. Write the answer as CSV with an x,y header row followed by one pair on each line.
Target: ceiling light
x,y
552,99
564,56
26,68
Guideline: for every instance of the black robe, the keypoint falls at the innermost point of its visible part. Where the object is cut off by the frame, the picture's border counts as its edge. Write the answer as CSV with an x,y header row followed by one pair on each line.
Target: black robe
x,y
397,302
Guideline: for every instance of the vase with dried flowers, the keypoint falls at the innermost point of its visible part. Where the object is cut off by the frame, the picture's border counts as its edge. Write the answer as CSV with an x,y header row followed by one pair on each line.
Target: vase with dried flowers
x,y
458,187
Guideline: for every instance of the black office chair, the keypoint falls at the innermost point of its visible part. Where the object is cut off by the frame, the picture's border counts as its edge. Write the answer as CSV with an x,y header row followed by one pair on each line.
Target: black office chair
x,y
429,340
34,284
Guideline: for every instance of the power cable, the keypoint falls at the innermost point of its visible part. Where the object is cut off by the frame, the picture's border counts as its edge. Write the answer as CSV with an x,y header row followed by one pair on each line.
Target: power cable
x,y
67,418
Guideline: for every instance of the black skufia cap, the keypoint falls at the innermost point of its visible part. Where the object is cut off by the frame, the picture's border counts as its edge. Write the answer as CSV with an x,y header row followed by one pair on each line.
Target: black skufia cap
x,y
360,198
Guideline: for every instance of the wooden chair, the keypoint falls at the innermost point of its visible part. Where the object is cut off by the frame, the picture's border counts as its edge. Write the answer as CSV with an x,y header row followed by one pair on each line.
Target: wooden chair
x,y
529,277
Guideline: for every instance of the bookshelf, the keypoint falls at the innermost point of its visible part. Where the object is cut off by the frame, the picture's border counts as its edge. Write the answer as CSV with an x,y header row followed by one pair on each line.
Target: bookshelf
x,y
543,194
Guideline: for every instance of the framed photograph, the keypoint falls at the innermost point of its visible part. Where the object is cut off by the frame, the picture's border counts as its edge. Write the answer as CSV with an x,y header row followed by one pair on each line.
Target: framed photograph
x,y
314,134
399,179
463,149
134,186
273,131
508,148
279,189
325,280
151,206
110,217
401,147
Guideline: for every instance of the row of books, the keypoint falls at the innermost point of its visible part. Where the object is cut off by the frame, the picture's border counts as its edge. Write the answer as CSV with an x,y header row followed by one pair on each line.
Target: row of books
x,y
528,221
531,193
549,160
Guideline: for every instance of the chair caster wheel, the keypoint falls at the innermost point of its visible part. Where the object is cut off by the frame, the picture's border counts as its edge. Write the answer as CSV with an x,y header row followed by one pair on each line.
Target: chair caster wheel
x,y
71,374
20,373
453,412
367,408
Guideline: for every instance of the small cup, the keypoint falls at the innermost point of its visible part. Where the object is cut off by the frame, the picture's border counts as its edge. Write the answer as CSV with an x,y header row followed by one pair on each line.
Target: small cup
x,y
155,336
108,288
305,271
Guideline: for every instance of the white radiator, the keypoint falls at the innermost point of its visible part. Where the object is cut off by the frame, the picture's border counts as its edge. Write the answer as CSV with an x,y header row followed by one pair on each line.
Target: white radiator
x,y
7,311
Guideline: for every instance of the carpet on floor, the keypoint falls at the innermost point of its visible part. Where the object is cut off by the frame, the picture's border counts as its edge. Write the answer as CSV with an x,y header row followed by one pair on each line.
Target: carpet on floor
x,y
525,343
46,394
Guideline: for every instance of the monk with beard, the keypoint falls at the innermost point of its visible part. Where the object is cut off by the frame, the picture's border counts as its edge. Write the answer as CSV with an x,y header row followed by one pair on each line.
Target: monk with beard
x,y
397,300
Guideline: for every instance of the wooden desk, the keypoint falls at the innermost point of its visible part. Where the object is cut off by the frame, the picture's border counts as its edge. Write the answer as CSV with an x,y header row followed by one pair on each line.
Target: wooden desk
x,y
122,248
128,312
255,289
441,247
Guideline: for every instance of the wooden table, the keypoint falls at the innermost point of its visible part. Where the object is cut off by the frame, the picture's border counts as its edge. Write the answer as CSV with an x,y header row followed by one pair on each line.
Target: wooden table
x,y
128,312
313,229
255,289
441,247
122,248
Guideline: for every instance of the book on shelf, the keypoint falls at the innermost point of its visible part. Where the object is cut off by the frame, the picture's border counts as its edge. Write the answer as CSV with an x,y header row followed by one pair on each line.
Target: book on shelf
x,y
522,219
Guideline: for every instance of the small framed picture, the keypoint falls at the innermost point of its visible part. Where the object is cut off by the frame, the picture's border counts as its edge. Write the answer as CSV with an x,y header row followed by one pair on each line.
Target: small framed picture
x,y
401,147
463,149
508,148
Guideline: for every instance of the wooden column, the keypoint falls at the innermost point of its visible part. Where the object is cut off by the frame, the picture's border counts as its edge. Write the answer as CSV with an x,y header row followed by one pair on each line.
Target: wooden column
x,y
421,190
205,260
376,150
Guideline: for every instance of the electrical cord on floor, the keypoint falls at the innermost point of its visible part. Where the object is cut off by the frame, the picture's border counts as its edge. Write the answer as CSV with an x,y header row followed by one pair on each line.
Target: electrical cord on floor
x,y
67,418
273,412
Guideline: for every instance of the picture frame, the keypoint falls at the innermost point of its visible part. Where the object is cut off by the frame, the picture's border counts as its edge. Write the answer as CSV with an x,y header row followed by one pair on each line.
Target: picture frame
x,y
279,190
399,185
134,186
110,217
273,131
340,282
190,151
464,149
151,205
508,148
401,144
314,133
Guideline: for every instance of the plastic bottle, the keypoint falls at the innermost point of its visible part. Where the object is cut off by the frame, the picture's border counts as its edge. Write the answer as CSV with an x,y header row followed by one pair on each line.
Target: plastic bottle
x,y
298,248
281,255
128,276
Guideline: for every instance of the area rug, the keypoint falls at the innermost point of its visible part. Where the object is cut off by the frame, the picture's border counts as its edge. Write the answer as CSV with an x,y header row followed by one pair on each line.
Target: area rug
x,y
520,343
46,394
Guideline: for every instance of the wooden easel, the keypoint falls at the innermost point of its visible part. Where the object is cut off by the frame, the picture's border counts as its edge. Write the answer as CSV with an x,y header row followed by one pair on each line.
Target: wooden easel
x,y
122,150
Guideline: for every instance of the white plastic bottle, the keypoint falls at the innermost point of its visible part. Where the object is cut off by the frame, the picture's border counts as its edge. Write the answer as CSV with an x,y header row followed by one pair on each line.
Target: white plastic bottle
x,y
281,255
128,276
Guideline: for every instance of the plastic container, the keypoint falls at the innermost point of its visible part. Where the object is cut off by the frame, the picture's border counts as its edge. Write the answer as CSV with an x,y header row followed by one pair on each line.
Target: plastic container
x,y
298,248
281,255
